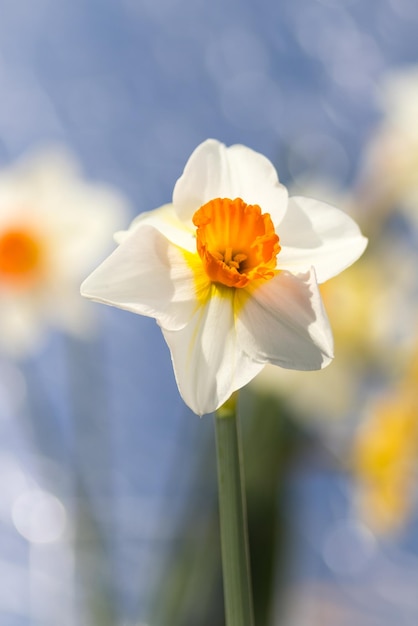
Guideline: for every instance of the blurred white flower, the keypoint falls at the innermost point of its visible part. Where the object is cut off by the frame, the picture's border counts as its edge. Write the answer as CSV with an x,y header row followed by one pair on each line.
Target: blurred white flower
x,y
390,167
53,227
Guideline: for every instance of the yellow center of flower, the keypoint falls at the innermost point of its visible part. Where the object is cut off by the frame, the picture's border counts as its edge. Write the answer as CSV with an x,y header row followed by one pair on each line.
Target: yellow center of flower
x,y
21,256
236,242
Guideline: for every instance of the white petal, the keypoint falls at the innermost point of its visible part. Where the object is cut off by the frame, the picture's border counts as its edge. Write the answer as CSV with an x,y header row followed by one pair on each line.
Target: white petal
x,y
215,171
22,323
148,275
82,234
316,234
284,322
208,364
166,220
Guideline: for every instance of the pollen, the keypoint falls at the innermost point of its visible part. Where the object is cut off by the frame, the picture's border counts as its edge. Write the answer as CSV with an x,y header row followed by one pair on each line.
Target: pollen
x,y
21,257
236,242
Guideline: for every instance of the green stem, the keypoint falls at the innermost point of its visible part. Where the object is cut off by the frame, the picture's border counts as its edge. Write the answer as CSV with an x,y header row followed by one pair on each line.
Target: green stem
x,y
233,519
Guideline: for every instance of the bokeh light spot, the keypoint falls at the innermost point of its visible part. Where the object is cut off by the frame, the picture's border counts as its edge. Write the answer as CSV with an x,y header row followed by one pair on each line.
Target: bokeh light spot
x,y
39,516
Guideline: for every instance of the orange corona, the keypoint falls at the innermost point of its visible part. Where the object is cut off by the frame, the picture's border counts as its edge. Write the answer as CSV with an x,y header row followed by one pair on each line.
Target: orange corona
x,y
236,242
20,257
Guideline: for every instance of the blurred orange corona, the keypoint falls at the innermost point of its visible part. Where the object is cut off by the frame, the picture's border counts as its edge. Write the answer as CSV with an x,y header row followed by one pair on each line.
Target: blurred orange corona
x,y
21,257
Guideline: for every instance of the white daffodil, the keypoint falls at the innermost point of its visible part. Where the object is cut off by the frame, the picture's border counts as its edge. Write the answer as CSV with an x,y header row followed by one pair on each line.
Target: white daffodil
x,y
389,172
230,271
53,228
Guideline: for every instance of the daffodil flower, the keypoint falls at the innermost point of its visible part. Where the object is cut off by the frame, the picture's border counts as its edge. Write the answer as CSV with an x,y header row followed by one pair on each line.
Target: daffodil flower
x,y
389,171
53,228
230,271
384,459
